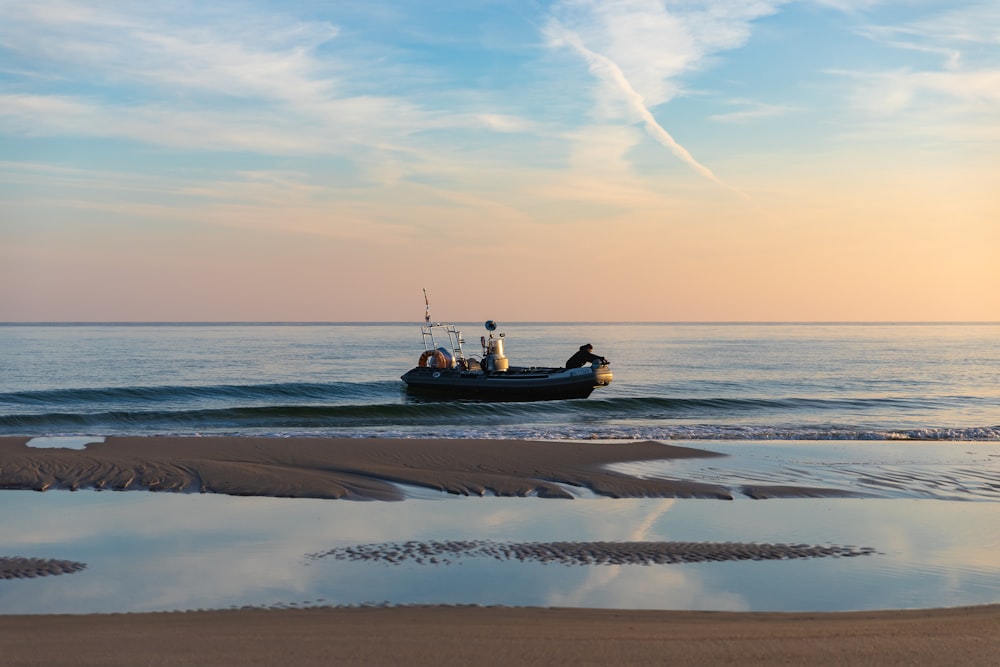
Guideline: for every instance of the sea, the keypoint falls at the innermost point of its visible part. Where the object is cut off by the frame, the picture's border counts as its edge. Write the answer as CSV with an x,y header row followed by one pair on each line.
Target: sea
x,y
731,382
899,424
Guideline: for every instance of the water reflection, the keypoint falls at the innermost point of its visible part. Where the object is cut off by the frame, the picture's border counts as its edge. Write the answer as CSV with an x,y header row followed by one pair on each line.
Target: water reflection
x,y
63,441
164,551
953,471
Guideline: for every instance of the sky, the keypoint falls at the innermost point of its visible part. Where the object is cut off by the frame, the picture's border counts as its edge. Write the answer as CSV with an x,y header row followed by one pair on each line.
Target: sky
x,y
621,160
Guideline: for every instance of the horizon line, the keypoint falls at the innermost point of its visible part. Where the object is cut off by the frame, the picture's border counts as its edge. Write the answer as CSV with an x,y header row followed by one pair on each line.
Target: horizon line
x,y
516,322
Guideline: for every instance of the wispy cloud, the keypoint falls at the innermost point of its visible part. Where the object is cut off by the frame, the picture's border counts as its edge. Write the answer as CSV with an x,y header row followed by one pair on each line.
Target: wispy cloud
x,y
641,49
900,38
889,93
217,78
750,111
656,43
960,25
607,70
183,49
959,98
958,35
334,126
849,6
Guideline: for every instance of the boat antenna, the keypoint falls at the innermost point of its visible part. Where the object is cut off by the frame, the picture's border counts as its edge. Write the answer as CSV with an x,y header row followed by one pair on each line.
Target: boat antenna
x,y
427,307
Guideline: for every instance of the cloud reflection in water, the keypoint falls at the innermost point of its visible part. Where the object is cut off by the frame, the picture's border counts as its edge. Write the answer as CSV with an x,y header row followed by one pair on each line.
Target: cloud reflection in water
x,y
148,551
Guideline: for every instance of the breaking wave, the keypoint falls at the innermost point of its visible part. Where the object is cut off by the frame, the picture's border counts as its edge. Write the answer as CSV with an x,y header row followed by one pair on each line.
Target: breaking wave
x,y
383,409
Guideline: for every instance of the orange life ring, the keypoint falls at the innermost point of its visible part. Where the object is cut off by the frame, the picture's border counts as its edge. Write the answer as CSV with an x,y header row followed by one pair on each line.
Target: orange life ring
x,y
437,355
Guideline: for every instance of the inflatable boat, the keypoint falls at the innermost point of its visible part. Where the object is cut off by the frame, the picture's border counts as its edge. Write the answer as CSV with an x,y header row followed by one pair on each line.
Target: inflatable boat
x,y
444,370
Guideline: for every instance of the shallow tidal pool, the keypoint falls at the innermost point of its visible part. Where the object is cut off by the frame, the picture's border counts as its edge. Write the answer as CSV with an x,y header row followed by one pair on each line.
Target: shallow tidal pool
x,y
158,551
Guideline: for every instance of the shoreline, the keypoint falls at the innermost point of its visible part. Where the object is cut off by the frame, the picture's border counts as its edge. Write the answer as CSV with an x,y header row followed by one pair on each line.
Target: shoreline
x,y
441,635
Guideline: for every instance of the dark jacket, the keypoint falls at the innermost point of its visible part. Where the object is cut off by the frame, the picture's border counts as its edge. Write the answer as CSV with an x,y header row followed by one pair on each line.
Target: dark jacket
x,y
582,356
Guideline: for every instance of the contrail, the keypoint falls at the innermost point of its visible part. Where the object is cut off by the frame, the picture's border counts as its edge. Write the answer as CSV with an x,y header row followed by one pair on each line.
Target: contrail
x,y
604,67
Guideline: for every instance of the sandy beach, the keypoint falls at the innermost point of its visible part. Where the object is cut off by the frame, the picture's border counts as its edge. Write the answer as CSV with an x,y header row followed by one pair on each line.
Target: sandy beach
x,y
503,636
369,469
360,469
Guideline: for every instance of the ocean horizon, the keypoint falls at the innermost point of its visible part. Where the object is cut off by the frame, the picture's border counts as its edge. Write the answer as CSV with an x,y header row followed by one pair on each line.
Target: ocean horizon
x,y
198,323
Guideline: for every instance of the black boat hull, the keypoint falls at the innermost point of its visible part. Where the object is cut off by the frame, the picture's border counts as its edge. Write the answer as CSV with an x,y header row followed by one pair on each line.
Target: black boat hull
x,y
514,384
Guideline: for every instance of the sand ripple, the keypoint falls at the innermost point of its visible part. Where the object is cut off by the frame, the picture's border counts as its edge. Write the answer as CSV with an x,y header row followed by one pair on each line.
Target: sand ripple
x,y
370,468
585,553
16,567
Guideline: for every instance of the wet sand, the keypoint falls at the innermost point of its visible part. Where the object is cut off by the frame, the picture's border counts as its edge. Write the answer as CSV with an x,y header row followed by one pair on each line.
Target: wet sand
x,y
360,469
369,469
17,567
586,553
439,636
562,553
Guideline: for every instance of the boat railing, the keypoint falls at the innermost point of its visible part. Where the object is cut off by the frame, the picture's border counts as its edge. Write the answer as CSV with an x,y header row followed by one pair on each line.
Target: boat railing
x,y
448,336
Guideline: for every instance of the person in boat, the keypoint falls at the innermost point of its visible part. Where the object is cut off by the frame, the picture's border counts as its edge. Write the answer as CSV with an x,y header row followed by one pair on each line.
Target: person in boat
x,y
583,355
